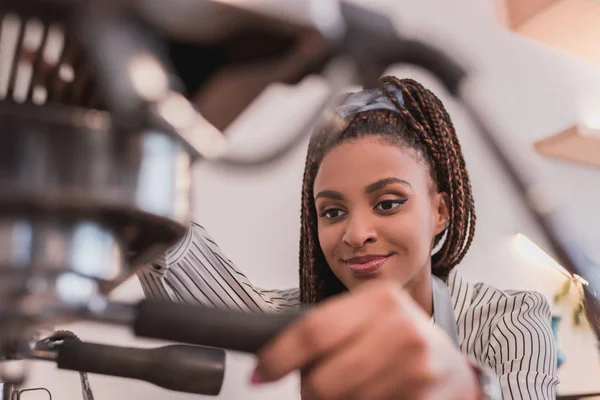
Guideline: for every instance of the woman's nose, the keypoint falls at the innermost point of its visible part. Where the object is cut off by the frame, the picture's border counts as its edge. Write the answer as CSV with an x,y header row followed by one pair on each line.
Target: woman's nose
x,y
359,231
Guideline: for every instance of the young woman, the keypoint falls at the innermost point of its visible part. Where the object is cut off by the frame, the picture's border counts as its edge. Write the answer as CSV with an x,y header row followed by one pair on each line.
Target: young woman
x,y
387,213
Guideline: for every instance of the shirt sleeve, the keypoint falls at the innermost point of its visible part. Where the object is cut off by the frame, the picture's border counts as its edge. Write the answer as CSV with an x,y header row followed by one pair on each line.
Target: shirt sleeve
x,y
522,350
196,271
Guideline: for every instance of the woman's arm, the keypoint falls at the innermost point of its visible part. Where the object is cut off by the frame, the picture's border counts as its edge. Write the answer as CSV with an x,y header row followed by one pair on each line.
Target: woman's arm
x,y
522,350
195,270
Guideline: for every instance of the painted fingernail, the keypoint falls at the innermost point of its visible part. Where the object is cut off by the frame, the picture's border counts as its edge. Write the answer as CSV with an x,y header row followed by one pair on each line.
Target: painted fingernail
x,y
256,378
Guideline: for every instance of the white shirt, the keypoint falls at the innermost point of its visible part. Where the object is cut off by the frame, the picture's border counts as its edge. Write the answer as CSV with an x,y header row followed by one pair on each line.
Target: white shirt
x,y
507,332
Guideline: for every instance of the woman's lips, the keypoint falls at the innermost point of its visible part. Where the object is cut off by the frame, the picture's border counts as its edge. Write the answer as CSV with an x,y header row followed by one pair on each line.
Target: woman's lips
x,y
366,265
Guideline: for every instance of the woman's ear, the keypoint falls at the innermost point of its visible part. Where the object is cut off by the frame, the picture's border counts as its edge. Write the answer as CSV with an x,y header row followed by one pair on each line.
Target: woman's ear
x,y
441,212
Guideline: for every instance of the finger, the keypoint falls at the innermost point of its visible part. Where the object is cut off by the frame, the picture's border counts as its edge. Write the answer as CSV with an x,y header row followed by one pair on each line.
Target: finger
x,y
355,366
326,327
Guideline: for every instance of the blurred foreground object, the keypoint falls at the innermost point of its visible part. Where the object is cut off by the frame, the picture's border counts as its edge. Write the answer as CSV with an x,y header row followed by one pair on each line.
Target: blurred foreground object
x,y
189,369
99,137
96,148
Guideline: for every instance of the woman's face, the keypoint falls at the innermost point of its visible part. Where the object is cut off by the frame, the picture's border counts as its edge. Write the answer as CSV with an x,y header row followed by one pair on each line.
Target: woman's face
x,y
378,212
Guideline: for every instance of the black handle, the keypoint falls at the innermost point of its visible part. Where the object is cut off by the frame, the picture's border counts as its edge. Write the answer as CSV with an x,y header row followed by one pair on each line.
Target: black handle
x,y
181,368
227,329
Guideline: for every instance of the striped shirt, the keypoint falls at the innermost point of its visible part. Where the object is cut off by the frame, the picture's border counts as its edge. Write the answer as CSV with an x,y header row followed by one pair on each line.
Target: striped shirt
x,y
507,332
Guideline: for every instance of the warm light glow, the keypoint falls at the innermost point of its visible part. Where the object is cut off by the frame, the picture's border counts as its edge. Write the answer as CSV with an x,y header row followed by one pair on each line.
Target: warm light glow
x,y
535,255
592,121
532,253
589,110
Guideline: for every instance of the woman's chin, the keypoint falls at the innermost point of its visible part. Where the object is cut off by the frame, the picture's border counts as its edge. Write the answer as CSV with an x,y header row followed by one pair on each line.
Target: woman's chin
x,y
353,282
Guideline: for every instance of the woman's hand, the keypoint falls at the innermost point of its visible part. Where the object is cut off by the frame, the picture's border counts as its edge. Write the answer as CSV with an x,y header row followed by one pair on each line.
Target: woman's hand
x,y
373,344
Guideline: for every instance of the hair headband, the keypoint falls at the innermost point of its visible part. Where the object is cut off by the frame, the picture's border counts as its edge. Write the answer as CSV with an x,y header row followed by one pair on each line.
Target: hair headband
x,y
369,99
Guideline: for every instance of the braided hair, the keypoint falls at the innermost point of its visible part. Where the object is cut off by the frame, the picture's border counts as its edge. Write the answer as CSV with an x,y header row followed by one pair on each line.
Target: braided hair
x,y
421,123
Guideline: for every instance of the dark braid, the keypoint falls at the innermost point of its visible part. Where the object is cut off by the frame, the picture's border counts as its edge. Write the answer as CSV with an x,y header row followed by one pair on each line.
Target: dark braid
x,y
421,123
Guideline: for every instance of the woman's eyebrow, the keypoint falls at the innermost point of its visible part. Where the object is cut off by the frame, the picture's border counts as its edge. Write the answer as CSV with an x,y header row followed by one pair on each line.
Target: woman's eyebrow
x,y
380,184
330,194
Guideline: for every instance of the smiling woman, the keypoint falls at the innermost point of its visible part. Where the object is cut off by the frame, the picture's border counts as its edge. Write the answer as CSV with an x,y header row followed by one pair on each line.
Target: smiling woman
x,y
387,213
378,214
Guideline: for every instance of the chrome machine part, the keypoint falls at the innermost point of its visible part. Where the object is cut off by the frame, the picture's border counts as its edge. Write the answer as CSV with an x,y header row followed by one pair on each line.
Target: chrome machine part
x,y
8,391
89,190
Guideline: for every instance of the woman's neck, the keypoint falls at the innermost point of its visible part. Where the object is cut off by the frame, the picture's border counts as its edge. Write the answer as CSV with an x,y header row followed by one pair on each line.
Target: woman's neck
x,y
421,290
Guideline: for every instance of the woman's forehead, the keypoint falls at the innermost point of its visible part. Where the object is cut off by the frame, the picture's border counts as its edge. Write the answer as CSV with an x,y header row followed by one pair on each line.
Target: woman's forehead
x,y
363,161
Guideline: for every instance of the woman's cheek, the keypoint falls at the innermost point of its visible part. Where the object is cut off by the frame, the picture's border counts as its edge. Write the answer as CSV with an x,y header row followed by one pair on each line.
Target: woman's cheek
x,y
329,239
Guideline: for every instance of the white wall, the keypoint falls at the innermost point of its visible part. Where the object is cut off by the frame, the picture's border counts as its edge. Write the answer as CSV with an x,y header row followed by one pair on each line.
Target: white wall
x,y
526,90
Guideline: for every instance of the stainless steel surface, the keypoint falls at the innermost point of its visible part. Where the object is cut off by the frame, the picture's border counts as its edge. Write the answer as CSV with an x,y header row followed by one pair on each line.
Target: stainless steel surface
x,y
81,203
8,391
71,164
50,267
53,245
85,197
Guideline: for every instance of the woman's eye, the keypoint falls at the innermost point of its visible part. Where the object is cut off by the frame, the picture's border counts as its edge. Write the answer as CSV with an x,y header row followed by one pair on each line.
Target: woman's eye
x,y
332,213
389,205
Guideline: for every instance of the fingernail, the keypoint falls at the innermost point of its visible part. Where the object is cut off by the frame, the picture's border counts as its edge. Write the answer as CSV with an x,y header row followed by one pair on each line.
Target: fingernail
x,y
256,378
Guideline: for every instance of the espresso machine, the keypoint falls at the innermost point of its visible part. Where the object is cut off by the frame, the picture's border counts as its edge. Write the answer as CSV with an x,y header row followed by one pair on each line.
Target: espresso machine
x,y
95,180
105,106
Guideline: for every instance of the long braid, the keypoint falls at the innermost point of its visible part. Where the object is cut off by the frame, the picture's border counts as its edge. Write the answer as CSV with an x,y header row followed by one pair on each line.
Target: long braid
x,y
465,178
316,278
449,169
309,281
422,123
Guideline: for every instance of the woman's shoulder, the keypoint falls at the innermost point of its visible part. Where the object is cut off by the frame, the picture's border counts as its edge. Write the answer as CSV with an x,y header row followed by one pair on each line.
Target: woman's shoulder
x,y
496,326
484,299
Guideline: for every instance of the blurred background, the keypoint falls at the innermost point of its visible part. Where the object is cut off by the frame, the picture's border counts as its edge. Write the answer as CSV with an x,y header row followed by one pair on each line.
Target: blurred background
x,y
537,67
